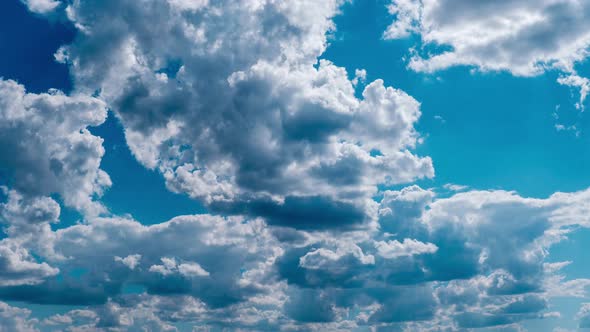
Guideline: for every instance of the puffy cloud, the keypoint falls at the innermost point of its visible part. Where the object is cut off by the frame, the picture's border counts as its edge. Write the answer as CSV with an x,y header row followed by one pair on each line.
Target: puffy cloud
x,y
441,261
409,247
232,255
524,37
28,214
228,101
73,319
233,108
170,266
18,267
16,319
584,316
41,6
131,261
46,148
442,264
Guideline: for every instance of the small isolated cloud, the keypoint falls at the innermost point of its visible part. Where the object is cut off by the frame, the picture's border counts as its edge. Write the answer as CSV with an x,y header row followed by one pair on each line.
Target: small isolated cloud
x,y
41,6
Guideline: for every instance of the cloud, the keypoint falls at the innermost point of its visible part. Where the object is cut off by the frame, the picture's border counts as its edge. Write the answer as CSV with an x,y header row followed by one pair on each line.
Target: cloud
x,y
451,247
41,6
210,258
582,83
523,37
170,266
232,113
584,316
442,264
16,319
131,261
228,101
20,268
46,148
409,247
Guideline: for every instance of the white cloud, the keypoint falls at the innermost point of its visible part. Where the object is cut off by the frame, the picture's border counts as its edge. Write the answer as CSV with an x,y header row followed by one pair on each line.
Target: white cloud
x,y
394,249
170,266
582,83
41,6
523,37
16,319
131,261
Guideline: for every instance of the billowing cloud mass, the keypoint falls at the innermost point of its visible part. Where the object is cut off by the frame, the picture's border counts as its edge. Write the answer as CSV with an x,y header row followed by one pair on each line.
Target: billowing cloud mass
x,y
427,262
292,155
228,101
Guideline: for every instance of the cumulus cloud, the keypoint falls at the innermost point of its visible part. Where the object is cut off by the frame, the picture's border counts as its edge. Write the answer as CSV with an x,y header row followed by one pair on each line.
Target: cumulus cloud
x,y
41,6
130,261
46,148
443,263
18,267
214,259
523,37
228,101
16,319
451,247
584,316
409,247
234,109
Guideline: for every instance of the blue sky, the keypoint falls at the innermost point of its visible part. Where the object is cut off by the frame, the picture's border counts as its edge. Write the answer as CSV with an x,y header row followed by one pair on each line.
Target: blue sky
x,y
201,168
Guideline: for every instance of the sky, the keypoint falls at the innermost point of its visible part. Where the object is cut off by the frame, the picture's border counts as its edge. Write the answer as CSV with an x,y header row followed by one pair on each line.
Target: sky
x,y
294,165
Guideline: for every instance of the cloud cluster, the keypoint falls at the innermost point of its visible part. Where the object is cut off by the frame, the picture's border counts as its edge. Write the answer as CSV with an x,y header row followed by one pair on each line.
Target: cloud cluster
x,y
438,262
427,262
523,37
228,101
